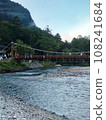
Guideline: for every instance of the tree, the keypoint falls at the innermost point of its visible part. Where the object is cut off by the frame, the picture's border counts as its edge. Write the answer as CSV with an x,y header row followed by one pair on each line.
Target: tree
x,y
6,32
79,36
39,39
80,44
16,21
57,36
48,30
23,48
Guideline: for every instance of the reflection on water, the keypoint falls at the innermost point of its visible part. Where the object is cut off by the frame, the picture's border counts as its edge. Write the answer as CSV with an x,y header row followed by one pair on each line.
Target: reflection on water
x,y
63,90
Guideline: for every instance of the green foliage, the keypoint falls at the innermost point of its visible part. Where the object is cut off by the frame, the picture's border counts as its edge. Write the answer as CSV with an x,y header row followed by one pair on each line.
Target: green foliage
x,y
16,21
12,62
80,44
58,36
22,50
5,65
47,63
66,50
12,65
39,39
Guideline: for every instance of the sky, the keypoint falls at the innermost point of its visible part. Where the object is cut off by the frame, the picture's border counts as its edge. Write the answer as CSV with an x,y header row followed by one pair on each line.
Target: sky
x,y
69,18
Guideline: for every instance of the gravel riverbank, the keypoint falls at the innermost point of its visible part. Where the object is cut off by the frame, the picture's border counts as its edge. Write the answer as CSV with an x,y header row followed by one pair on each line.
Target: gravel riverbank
x,y
12,108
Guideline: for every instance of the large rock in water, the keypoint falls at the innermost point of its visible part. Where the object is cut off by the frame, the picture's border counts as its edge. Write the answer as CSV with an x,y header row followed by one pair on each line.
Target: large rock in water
x,y
9,10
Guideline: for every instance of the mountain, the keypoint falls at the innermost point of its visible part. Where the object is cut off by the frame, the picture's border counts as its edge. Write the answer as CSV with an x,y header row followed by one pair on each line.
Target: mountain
x,y
9,10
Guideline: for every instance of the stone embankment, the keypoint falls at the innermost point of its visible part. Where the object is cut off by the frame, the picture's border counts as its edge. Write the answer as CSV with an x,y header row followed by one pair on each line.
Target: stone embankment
x,y
12,108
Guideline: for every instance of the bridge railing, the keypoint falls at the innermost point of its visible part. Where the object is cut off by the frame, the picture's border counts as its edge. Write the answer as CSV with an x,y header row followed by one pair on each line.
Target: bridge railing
x,y
54,57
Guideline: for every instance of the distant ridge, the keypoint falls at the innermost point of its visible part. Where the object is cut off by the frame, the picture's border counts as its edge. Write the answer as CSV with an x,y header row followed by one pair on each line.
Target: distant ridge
x,y
9,10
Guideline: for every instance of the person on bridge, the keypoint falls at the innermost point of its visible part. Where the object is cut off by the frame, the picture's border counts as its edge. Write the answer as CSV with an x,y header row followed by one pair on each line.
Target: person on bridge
x,y
30,55
8,55
25,54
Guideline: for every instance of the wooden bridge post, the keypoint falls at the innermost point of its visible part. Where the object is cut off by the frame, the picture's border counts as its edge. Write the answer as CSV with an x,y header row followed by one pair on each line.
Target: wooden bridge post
x,y
11,49
15,51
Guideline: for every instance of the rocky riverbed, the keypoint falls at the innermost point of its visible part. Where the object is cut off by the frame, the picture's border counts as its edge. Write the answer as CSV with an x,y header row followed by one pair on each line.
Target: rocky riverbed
x,y
12,108
67,72
63,90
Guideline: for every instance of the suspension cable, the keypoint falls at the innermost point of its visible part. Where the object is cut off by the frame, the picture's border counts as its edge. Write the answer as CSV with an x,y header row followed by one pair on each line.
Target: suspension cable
x,y
49,51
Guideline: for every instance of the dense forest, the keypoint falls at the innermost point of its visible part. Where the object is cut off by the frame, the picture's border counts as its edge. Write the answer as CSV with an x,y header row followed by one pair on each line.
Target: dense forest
x,y
39,39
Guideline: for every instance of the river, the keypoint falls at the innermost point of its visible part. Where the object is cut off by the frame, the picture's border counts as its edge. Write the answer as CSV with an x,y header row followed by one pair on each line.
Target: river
x,y
63,90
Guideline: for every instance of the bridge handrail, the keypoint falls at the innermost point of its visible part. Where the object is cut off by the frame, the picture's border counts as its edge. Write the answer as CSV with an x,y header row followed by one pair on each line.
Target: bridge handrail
x,y
53,56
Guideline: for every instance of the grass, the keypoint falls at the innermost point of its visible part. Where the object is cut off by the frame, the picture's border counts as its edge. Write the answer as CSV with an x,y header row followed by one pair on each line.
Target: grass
x,y
12,65
47,63
15,65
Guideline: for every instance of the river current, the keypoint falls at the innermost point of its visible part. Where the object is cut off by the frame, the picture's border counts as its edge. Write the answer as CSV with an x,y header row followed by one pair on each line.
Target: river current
x,y
63,90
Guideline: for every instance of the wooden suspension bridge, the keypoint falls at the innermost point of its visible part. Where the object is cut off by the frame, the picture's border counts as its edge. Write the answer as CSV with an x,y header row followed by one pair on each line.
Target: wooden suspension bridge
x,y
74,57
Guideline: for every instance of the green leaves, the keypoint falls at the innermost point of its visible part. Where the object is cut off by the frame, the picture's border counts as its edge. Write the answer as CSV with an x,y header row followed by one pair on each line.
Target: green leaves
x,y
38,39
22,50
80,44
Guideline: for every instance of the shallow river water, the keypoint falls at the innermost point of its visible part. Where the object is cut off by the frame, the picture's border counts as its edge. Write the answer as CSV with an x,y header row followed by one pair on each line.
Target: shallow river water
x,y
63,90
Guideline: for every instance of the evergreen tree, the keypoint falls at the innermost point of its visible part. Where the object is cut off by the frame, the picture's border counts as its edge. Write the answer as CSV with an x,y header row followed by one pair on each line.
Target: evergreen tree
x,y
48,30
39,39
16,21
58,36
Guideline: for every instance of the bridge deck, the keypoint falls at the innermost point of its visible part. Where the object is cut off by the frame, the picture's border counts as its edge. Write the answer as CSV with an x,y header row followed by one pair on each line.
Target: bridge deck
x,y
54,57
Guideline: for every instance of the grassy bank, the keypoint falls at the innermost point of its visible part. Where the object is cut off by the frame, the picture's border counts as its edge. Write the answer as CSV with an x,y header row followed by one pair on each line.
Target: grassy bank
x,y
48,63
12,66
